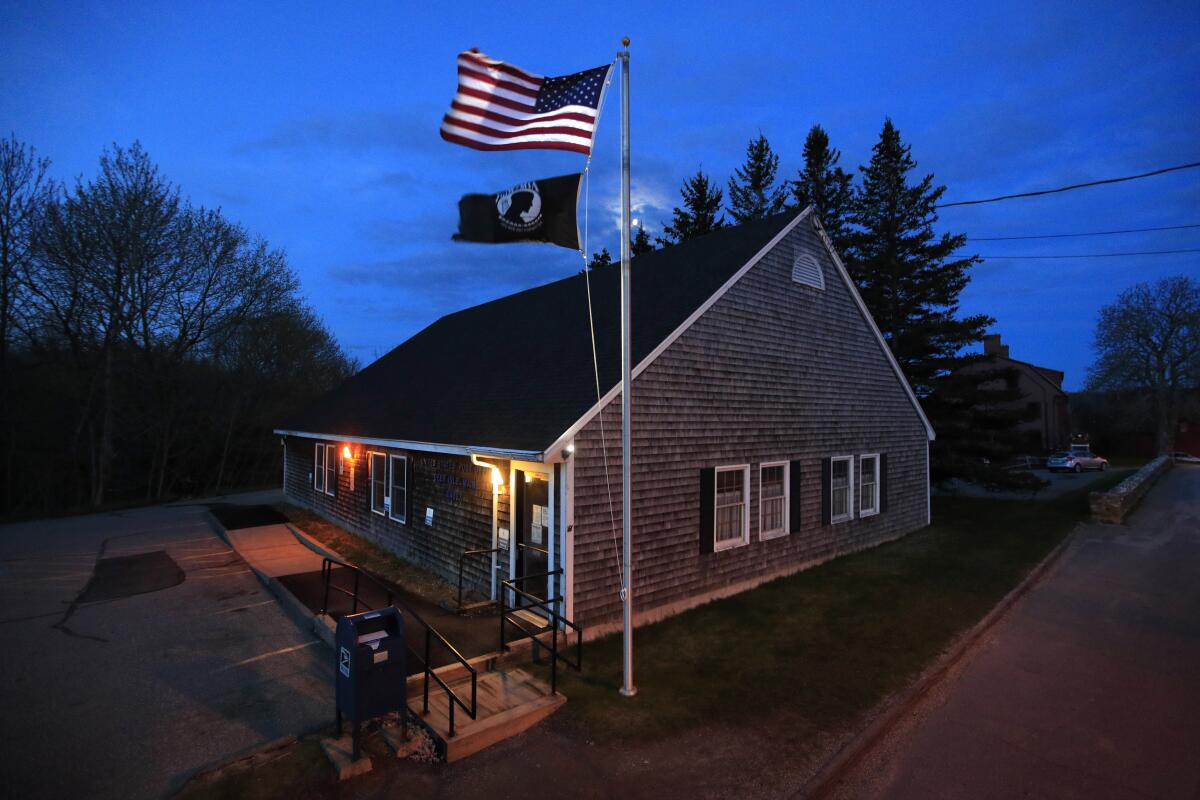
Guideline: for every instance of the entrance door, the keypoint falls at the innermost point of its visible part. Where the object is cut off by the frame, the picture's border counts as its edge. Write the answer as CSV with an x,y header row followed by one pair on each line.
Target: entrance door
x,y
533,533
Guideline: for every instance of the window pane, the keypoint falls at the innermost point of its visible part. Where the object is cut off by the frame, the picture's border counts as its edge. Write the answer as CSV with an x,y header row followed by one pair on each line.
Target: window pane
x,y
378,484
731,499
866,478
841,501
399,486
772,481
330,469
319,467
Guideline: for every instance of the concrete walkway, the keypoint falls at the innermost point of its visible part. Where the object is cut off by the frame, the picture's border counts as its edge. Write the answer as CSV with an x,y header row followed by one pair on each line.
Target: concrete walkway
x,y
1088,688
273,550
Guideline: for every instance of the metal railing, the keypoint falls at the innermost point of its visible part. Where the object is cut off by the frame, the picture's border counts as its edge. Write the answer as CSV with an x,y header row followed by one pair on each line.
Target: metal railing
x,y
461,560
431,635
550,606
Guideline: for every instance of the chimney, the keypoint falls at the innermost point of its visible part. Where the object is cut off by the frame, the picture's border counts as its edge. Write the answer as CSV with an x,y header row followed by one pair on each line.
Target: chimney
x,y
992,346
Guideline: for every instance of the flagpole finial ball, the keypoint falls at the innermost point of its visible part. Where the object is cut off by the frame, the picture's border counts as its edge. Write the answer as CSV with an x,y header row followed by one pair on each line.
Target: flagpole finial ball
x,y
624,41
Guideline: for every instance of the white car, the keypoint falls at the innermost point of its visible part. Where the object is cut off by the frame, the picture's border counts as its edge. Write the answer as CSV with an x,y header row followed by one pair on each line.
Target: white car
x,y
1077,460
1185,458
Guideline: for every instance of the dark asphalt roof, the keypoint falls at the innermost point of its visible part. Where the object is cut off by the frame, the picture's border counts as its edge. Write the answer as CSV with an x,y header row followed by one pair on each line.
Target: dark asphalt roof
x,y
516,372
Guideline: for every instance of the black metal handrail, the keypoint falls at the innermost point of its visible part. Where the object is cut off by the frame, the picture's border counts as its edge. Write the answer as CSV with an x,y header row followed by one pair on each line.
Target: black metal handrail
x,y
551,606
461,559
431,635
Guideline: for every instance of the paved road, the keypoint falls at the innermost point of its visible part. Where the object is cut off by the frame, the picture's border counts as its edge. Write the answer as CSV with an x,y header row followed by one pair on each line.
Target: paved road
x,y
125,697
1088,688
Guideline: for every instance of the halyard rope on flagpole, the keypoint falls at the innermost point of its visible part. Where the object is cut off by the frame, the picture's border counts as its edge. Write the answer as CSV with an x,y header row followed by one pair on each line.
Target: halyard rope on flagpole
x,y
596,364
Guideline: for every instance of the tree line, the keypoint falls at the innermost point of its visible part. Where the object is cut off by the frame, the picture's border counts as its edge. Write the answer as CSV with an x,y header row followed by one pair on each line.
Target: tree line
x,y
881,221
147,345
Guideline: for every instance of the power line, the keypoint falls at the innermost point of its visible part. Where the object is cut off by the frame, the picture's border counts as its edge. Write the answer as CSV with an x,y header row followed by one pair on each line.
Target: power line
x,y
1072,235
1098,255
1162,171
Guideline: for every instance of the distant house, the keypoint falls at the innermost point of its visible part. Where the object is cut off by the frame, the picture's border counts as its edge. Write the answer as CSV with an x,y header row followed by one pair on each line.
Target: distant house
x,y
1041,394
772,430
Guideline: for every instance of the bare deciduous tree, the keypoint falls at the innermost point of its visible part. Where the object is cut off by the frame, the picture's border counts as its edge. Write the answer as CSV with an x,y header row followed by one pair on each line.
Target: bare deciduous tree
x,y
1149,340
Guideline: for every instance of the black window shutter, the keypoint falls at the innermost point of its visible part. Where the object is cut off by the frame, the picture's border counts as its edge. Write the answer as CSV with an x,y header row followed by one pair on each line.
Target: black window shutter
x,y
794,497
883,482
408,490
826,471
708,484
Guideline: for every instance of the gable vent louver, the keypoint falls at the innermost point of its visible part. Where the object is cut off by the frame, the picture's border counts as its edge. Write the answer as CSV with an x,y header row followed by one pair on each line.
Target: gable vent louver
x,y
806,271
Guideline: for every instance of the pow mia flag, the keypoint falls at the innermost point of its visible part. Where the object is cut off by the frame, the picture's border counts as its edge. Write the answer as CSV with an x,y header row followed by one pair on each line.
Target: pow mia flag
x,y
537,211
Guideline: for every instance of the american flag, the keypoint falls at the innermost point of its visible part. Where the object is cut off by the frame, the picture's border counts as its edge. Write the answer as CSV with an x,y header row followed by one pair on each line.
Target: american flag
x,y
501,107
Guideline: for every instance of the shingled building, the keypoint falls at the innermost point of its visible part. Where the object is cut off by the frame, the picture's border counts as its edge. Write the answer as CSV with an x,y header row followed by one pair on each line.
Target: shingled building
x,y
772,429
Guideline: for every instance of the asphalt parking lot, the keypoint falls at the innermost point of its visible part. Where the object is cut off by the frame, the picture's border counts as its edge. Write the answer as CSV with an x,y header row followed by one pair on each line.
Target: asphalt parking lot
x,y
138,649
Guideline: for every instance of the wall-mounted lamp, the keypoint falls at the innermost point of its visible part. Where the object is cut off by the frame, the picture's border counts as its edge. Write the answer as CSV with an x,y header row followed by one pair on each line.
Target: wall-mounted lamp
x,y
346,454
497,475
568,451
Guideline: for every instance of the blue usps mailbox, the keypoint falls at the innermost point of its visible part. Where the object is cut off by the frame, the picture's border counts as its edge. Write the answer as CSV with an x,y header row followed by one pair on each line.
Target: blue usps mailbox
x,y
372,675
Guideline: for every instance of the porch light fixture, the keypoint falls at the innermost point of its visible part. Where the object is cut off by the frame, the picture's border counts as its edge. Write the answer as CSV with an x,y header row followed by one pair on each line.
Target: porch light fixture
x,y
346,454
568,451
497,478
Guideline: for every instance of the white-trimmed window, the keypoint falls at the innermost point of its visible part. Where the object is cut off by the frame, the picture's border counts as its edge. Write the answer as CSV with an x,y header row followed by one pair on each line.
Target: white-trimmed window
x,y
398,487
868,485
841,488
330,469
319,467
379,483
732,507
773,499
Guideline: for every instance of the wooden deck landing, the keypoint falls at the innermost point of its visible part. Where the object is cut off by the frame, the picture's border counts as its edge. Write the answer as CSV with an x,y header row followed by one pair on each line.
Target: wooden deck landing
x,y
510,700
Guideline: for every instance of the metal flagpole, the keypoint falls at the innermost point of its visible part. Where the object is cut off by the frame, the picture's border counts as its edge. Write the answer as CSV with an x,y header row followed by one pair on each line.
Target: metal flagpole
x,y
627,687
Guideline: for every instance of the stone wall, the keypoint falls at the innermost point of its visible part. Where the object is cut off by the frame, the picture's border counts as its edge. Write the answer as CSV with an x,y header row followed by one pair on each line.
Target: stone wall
x,y
1115,504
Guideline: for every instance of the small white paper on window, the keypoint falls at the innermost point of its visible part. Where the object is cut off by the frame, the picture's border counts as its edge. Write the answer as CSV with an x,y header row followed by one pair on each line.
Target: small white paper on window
x,y
428,516
537,532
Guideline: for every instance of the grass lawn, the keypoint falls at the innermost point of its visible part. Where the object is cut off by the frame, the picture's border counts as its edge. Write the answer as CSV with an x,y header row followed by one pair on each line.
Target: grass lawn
x,y
816,649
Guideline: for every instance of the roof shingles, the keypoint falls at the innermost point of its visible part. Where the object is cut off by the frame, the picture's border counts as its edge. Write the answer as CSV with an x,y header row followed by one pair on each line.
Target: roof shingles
x,y
516,372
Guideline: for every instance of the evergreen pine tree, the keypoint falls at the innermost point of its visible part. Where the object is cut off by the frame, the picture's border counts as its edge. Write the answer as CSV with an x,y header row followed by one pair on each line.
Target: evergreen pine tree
x,y
906,274
752,190
641,242
701,212
975,411
824,185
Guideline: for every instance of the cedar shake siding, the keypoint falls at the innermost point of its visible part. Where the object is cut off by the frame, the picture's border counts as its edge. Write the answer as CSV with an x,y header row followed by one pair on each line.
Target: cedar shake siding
x,y
749,367
459,492
773,371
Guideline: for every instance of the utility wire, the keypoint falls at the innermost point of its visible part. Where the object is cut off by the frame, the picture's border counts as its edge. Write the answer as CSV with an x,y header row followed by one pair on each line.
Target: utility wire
x,y
1098,255
1162,171
1072,235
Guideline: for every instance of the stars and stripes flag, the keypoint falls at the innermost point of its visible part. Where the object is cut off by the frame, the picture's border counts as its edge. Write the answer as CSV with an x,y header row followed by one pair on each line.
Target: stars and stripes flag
x,y
501,107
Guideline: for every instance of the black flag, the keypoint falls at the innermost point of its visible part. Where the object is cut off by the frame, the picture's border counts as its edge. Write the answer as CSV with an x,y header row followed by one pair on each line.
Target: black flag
x,y
537,211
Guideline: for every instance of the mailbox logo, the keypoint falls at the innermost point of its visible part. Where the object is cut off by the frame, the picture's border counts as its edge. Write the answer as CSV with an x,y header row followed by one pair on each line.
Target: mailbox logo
x,y
344,662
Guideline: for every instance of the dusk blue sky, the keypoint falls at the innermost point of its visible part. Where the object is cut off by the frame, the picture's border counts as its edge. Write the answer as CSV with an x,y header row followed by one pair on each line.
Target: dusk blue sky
x,y
317,128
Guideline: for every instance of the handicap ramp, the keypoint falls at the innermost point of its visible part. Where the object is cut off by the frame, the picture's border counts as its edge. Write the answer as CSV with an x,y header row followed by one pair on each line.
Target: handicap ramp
x,y
273,550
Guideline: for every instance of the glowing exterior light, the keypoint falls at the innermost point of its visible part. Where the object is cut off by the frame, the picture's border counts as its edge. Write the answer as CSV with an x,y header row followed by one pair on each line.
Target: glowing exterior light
x,y
346,454
571,447
497,478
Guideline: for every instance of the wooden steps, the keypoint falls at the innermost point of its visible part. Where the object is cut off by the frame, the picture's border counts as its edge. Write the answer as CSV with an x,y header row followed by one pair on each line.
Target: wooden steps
x,y
509,701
